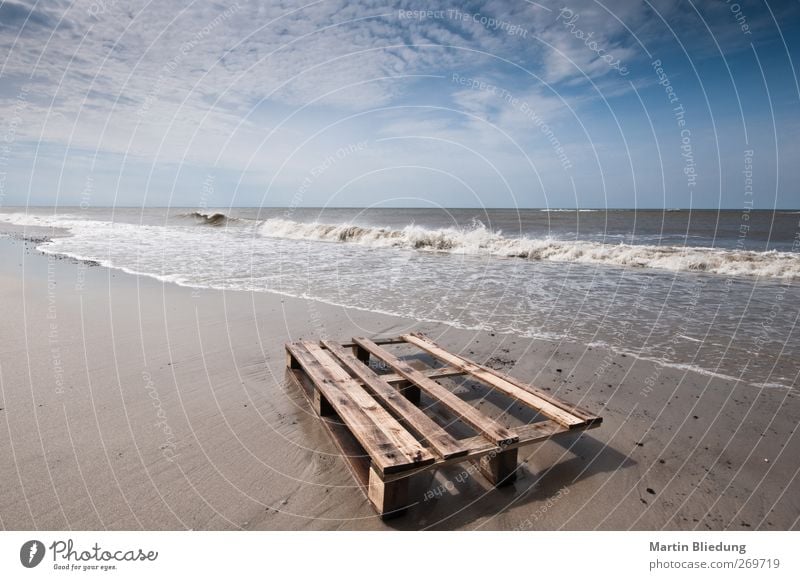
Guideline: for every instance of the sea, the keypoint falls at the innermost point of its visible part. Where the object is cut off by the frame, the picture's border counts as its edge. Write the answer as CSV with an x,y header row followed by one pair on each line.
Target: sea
x,y
710,291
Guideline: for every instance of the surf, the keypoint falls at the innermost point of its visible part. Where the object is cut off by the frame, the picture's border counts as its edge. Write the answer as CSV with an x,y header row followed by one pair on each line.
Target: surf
x,y
479,240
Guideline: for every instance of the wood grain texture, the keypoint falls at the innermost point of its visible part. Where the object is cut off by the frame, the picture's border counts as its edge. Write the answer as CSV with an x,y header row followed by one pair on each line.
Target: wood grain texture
x,y
440,440
528,396
390,446
463,410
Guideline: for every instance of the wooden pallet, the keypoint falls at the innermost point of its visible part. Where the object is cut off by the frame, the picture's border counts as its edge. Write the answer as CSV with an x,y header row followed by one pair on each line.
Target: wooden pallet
x,y
383,434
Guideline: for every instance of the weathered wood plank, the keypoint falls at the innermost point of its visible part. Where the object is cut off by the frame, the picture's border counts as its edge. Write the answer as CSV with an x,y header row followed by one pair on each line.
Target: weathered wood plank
x,y
480,447
381,341
576,410
390,446
527,396
587,416
533,432
354,456
440,440
404,441
480,422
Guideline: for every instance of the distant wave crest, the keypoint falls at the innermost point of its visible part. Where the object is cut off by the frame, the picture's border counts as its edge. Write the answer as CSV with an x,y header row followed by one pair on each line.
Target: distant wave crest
x,y
479,240
208,218
568,210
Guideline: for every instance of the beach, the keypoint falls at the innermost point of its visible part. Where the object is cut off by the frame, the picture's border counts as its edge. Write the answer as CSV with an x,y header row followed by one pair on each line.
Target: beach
x,y
274,270
136,403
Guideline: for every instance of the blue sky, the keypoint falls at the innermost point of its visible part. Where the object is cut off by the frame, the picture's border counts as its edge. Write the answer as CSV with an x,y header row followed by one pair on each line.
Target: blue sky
x,y
586,104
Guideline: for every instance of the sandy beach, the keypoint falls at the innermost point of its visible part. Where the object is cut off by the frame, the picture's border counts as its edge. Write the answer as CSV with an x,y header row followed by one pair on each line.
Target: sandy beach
x,y
129,403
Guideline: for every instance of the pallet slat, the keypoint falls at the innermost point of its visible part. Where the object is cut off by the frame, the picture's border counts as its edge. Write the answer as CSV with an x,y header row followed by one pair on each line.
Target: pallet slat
x,y
584,414
356,458
501,383
498,434
442,373
390,446
439,439
480,447
587,416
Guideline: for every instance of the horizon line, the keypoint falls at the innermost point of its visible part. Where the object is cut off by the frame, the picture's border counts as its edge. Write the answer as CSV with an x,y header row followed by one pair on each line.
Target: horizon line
x,y
664,209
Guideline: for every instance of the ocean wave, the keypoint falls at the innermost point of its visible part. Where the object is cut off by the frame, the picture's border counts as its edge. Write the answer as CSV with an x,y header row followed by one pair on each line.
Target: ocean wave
x,y
570,210
692,368
479,240
476,240
208,218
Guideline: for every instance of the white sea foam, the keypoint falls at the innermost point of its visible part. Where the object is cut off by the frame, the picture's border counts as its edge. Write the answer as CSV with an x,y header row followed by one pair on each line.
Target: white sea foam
x,y
479,240
570,210
691,368
497,296
44,221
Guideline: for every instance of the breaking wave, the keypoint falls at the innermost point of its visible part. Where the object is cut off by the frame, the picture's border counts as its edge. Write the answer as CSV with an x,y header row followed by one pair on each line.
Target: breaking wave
x,y
479,240
209,218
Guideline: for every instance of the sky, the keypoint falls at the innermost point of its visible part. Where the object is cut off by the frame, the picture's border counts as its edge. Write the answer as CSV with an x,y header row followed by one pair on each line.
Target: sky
x,y
357,103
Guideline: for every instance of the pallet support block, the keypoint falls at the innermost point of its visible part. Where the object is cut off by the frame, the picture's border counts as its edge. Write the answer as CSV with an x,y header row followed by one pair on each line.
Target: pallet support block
x,y
499,468
361,353
389,498
291,362
321,405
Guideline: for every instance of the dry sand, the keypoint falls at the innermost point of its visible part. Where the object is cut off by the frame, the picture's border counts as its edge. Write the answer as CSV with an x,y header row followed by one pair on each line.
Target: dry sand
x,y
128,403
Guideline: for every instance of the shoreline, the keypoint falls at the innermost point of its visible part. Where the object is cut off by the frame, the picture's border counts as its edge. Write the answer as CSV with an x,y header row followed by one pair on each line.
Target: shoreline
x,y
718,260
246,453
617,350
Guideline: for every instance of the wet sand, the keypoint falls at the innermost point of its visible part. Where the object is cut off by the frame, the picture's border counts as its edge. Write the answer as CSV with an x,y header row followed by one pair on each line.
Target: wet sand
x,y
128,403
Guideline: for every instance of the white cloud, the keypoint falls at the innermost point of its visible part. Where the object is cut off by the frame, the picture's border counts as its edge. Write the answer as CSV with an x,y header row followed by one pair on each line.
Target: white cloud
x,y
208,82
